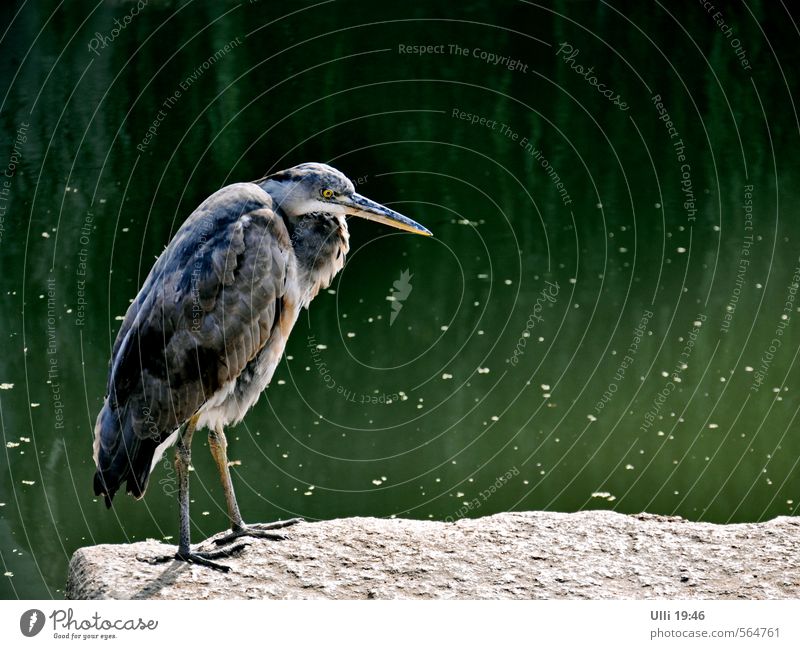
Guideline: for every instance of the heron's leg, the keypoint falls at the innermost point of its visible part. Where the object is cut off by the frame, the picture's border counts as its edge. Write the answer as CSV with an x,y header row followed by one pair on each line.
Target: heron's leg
x,y
219,450
183,457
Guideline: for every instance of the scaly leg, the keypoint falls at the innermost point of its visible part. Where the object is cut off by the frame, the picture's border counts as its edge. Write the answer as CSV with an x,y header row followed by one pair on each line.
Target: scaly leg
x,y
219,450
183,458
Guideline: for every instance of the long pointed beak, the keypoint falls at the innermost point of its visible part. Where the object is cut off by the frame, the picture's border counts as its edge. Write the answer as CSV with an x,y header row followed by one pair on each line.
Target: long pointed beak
x,y
359,205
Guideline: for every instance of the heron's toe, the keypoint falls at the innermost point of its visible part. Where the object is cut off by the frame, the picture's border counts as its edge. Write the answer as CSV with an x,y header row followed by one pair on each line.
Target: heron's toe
x,y
258,531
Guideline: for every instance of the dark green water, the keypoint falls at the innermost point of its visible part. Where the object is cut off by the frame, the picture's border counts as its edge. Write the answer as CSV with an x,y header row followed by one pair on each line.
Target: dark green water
x,y
582,249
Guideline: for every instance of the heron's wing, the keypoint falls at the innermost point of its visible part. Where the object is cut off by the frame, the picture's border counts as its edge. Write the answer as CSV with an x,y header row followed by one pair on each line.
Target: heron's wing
x,y
206,308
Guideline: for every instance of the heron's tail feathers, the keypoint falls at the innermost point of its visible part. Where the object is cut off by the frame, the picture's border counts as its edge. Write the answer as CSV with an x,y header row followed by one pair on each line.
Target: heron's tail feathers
x,y
120,455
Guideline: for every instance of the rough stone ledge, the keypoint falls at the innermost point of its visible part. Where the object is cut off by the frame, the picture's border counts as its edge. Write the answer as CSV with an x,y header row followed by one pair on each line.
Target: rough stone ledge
x,y
526,555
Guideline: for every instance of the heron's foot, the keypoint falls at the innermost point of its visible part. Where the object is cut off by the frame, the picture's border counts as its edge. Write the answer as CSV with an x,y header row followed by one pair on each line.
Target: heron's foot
x,y
199,558
259,531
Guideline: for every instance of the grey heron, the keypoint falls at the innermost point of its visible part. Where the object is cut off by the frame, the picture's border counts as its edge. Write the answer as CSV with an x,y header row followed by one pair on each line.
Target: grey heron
x,y
203,337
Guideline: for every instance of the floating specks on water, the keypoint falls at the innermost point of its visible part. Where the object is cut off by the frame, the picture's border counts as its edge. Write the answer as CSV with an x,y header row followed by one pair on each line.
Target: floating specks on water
x,y
605,495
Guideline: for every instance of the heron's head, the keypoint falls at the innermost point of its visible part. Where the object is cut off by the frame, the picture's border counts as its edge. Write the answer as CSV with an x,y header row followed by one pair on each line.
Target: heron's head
x,y
313,187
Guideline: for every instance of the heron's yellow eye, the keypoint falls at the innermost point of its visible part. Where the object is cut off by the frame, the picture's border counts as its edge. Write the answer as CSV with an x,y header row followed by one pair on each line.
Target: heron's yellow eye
x,y
327,193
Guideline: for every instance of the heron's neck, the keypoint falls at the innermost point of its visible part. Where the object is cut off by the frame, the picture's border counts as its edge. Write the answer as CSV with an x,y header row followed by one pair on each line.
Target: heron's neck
x,y
321,242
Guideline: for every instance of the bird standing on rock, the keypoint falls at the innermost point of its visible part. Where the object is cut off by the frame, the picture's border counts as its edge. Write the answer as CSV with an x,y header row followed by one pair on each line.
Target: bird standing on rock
x,y
204,335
